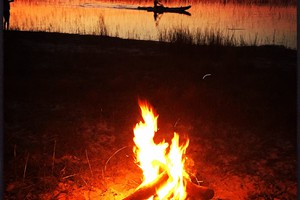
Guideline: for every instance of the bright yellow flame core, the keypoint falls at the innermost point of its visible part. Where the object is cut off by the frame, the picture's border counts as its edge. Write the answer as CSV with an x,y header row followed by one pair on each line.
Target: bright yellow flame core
x,y
154,158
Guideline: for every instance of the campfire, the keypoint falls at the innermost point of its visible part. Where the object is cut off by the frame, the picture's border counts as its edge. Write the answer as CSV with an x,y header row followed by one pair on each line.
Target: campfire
x,y
162,164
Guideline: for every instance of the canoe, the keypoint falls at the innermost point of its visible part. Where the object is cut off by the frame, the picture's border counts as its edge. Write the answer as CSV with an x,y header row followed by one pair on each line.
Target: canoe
x,y
162,9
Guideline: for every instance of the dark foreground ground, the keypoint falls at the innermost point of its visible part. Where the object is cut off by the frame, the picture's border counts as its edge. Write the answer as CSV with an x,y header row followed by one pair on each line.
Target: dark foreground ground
x,y
70,104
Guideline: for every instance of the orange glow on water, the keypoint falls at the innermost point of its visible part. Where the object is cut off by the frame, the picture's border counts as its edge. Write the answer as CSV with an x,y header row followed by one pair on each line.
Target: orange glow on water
x,y
269,24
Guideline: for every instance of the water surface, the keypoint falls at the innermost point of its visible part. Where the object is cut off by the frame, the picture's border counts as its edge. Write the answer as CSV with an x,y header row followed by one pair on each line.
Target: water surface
x,y
243,23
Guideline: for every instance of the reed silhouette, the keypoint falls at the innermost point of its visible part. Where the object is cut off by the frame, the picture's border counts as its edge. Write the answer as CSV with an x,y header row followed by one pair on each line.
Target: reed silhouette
x,y
157,17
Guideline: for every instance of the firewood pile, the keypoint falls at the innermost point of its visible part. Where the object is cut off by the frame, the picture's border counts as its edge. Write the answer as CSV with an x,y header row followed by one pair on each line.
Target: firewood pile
x,y
193,191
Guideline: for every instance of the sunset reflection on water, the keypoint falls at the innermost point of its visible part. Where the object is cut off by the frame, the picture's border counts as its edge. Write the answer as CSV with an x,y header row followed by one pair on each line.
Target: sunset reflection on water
x,y
266,24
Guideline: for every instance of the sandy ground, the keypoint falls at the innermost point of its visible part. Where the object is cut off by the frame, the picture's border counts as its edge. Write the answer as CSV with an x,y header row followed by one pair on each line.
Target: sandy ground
x,y
70,104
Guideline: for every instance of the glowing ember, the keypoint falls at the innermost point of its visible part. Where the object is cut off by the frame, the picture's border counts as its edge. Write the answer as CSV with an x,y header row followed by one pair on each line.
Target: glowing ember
x,y
154,159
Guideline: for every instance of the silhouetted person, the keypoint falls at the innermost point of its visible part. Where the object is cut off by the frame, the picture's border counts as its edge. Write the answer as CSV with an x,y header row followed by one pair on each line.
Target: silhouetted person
x,y
6,13
157,3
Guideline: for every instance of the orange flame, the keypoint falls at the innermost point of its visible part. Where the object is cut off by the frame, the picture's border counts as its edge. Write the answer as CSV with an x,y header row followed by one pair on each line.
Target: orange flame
x,y
154,158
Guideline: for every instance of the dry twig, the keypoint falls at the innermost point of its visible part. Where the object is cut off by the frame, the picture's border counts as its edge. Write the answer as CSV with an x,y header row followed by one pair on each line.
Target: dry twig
x,y
175,124
69,176
15,159
53,156
87,157
25,167
113,156
15,150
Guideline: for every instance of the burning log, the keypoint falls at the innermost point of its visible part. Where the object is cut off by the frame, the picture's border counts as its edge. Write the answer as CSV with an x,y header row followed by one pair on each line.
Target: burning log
x,y
198,192
194,191
148,190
